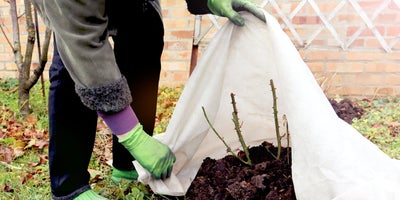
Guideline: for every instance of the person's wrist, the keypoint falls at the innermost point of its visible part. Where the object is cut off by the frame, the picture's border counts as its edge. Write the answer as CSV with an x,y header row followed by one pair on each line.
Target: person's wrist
x,y
120,122
211,6
132,134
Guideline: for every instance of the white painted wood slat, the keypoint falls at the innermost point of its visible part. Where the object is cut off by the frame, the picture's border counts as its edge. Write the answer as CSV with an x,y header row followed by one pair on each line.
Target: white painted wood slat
x,y
346,41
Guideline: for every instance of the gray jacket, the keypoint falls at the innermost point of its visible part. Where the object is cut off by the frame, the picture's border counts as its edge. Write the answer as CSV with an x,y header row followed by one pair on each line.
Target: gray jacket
x,y
81,30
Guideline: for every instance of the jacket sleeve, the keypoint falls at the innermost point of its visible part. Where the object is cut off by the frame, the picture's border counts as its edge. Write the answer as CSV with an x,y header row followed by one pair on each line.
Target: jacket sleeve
x,y
198,7
80,29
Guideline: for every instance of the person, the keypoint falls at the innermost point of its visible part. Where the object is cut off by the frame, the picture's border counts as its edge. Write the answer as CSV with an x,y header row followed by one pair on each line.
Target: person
x,y
89,77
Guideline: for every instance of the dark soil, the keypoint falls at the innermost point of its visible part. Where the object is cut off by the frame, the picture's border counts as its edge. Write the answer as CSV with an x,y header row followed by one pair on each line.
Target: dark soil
x,y
346,110
267,178
229,178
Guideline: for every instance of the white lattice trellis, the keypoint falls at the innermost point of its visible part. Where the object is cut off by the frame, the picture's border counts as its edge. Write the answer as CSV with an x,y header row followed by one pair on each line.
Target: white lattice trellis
x,y
343,43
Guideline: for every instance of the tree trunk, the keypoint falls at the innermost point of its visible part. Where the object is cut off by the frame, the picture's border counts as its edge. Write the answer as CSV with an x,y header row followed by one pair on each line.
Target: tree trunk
x,y
23,97
27,80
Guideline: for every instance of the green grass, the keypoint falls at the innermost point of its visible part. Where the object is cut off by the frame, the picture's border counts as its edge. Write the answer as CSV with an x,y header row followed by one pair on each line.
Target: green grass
x,y
167,98
25,176
381,124
23,179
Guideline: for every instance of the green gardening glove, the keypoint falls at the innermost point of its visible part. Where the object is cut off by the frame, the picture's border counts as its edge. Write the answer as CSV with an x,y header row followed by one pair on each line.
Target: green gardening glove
x,y
229,8
154,156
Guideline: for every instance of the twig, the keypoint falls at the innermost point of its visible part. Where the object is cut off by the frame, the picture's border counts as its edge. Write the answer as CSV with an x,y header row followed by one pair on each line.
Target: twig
x,y
10,166
216,132
7,39
286,125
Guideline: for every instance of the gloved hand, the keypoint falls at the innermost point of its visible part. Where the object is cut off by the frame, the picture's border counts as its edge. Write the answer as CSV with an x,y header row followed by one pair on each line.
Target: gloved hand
x,y
229,8
154,156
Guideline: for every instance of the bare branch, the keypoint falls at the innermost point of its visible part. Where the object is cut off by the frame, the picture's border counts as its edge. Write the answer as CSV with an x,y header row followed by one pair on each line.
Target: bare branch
x,y
16,33
43,59
7,39
30,44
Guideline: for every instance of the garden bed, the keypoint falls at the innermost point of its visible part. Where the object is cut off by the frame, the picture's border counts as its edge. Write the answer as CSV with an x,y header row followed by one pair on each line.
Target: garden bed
x,y
267,178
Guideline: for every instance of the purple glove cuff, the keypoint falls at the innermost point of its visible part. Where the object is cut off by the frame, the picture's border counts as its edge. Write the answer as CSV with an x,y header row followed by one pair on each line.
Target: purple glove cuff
x,y
121,122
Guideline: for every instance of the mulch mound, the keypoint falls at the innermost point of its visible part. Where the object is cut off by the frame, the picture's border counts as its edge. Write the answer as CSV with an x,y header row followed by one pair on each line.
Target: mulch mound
x,y
229,178
346,110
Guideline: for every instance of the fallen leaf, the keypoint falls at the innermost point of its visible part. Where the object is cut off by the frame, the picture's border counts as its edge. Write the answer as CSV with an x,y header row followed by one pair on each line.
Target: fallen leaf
x,y
6,154
41,143
30,143
7,188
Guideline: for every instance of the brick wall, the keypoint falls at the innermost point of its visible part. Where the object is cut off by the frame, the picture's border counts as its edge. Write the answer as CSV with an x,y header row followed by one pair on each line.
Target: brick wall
x,y
361,56
352,47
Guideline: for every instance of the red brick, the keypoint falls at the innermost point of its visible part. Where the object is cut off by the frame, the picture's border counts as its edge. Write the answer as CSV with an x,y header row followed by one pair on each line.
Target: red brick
x,y
384,91
358,43
349,67
393,30
182,34
388,67
393,55
325,55
315,66
181,76
373,43
370,4
392,79
370,79
174,24
366,56
177,45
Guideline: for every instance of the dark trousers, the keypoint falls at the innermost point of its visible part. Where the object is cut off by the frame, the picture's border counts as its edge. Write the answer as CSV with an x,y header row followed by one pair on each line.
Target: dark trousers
x,y
137,47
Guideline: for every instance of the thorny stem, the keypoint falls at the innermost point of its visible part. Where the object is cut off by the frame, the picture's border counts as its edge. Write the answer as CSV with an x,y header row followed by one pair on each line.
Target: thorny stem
x,y
228,148
275,107
235,120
